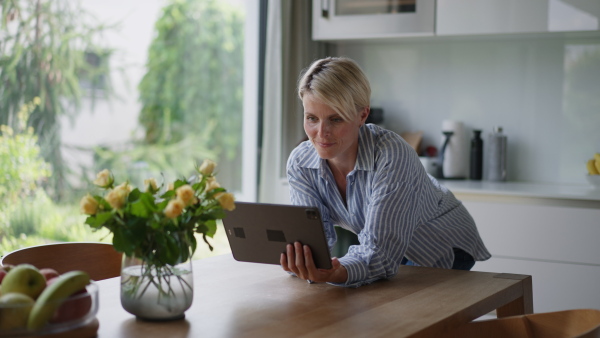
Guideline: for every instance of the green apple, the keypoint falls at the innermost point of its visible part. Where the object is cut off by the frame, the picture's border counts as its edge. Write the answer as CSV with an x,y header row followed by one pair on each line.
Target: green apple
x,y
2,274
14,310
25,279
4,270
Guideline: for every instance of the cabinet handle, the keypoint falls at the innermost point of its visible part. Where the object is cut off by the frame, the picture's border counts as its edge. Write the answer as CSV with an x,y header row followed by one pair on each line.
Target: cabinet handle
x,y
325,8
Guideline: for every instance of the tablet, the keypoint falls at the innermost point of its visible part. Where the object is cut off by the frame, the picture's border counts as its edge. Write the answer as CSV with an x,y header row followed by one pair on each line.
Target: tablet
x,y
259,232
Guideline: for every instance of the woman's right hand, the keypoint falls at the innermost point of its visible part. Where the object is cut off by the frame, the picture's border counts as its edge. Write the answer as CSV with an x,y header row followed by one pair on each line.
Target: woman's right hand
x,y
299,260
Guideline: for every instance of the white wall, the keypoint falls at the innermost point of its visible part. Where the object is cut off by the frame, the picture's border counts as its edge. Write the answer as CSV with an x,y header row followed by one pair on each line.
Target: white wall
x,y
521,83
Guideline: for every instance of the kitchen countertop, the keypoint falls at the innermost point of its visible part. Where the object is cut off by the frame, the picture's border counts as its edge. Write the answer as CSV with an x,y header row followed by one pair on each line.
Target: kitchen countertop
x,y
524,189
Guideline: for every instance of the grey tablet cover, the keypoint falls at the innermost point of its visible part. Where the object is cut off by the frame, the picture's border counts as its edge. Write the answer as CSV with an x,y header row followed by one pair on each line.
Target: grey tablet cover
x,y
259,232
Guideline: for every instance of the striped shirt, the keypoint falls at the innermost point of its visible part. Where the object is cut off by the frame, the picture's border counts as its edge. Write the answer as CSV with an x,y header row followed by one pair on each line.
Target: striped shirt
x,y
392,204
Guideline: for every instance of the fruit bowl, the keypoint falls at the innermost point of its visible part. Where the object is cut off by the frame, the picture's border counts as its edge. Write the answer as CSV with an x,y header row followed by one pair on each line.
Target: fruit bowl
x,y
75,312
594,180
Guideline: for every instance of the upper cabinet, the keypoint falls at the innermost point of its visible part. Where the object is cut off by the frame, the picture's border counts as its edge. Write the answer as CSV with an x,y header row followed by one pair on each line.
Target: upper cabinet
x,y
468,17
364,19
359,19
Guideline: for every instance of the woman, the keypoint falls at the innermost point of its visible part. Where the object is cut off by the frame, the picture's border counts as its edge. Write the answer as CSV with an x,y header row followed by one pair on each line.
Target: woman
x,y
369,181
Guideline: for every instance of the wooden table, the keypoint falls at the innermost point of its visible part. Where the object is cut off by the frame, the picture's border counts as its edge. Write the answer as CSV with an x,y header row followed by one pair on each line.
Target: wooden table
x,y
234,299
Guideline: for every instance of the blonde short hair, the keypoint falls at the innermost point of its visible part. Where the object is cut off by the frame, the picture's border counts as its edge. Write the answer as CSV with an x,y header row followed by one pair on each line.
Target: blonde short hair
x,y
338,82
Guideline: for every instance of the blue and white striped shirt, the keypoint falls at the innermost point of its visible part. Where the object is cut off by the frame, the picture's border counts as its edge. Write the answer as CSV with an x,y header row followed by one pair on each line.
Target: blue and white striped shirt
x,y
394,206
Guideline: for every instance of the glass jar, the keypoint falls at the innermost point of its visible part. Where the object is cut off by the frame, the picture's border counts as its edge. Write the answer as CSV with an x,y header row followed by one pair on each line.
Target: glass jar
x,y
156,293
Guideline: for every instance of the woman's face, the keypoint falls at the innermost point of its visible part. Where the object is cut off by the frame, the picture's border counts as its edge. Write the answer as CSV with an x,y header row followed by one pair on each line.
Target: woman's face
x,y
333,138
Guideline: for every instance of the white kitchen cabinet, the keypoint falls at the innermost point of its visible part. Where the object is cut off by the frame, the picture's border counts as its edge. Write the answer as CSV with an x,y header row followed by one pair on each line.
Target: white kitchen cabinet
x,y
338,20
554,240
539,232
358,19
472,17
556,286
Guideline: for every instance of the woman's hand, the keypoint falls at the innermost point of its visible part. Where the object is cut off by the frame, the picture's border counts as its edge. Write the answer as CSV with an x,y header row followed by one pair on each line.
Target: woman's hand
x,y
299,260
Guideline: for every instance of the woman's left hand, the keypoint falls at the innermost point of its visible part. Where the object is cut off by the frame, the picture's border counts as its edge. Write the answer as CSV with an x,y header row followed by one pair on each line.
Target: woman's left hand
x,y
299,260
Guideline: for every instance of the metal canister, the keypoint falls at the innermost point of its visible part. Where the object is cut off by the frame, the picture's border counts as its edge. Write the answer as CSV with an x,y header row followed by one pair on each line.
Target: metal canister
x,y
496,156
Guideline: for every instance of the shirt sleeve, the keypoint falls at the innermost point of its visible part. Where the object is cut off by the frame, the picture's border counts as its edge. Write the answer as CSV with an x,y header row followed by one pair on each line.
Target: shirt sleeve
x,y
391,217
303,191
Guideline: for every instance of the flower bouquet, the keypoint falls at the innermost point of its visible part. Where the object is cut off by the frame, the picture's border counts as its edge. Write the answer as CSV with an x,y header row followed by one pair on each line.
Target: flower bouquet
x,y
155,230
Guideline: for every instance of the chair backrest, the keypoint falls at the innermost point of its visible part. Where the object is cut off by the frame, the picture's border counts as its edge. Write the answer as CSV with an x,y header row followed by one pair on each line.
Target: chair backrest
x,y
99,260
576,323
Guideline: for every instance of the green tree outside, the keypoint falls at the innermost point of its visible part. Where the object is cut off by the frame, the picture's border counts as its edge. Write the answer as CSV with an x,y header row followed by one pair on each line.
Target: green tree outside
x,y
193,85
43,49
191,101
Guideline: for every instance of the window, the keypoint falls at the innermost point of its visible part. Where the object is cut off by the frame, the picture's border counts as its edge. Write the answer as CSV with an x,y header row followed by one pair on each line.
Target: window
x,y
164,85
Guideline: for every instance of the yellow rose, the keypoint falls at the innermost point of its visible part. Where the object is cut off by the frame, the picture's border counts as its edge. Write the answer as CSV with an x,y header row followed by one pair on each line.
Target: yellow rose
x,y
88,205
151,185
185,193
118,196
207,167
125,187
174,208
104,179
170,186
226,200
211,183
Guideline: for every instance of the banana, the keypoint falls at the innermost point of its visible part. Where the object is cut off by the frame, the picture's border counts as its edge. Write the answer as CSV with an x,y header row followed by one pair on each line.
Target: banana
x,y
52,296
592,167
597,159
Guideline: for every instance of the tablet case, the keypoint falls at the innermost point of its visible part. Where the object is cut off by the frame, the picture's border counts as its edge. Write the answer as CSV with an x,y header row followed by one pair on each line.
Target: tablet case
x,y
259,232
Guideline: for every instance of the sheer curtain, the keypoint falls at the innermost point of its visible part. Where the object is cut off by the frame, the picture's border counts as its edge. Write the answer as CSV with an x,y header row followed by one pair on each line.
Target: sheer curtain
x,y
289,49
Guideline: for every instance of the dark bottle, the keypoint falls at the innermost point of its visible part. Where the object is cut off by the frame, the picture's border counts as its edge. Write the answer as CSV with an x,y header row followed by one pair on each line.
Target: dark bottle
x,y
476,172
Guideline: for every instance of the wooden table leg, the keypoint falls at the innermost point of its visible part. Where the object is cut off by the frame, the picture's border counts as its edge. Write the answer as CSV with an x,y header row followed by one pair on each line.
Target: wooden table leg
x,y
522,305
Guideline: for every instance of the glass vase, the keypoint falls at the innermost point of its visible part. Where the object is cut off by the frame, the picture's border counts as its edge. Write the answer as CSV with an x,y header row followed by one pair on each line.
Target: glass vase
x,y
156,293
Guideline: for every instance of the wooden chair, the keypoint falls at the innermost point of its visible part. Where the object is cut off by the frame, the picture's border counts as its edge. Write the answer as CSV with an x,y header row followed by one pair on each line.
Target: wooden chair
x,y
577,323
100,260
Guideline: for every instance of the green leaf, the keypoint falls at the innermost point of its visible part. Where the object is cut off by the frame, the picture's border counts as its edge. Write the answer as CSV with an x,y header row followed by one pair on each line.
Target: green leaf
x,y
91,221
193,243
134,195
208,228
162,205
122,241
213,214
102,203
138,230
144,205
99,219
199,186
211,228
206,241
168,195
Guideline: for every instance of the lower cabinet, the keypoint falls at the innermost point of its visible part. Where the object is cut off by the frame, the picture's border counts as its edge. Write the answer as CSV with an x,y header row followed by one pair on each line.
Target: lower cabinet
x,y
556,286
555,241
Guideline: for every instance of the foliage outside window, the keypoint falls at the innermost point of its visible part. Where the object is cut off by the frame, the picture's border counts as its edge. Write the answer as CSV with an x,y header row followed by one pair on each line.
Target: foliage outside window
x,y
190,96
43,45
193,85
27,215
